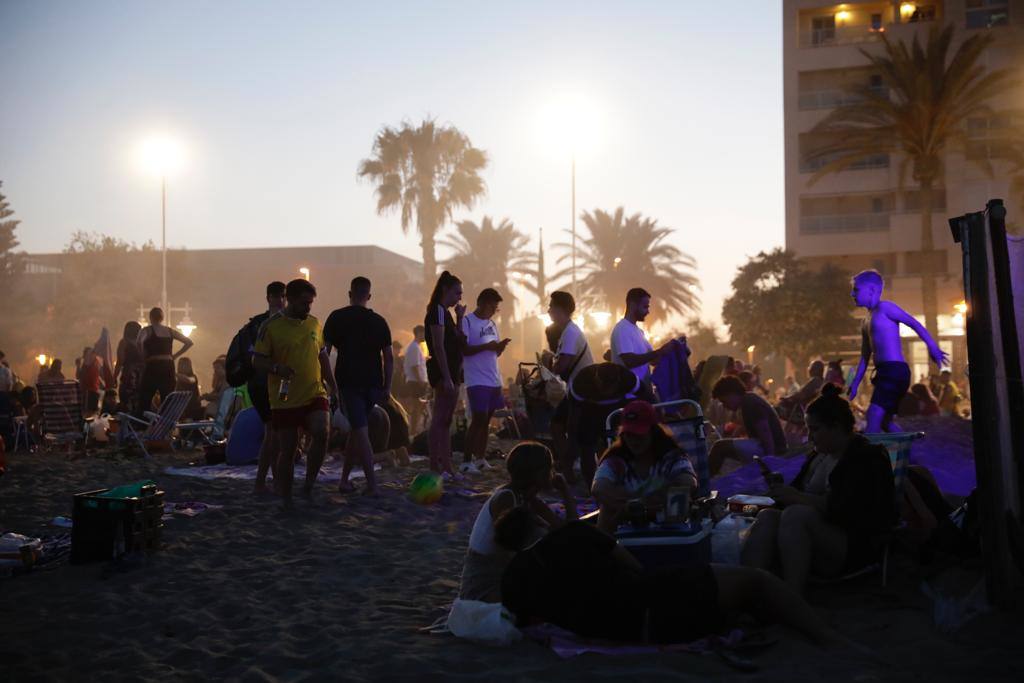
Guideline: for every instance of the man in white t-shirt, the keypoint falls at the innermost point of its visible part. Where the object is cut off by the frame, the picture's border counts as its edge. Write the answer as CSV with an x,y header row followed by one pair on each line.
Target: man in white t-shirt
x,y
480,352
571,355
630,347
414,368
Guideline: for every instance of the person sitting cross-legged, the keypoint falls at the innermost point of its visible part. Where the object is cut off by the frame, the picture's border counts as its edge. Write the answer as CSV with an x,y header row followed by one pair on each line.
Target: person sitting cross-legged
x,y
842,499
764,432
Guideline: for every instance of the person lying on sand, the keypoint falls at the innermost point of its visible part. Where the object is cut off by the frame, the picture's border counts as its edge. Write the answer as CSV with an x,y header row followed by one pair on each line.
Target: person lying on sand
x,y
531,470
841,499
578,578
644,462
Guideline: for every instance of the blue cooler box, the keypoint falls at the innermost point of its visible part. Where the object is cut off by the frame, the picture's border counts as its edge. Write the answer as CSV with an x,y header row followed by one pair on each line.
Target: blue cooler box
x,y
668,546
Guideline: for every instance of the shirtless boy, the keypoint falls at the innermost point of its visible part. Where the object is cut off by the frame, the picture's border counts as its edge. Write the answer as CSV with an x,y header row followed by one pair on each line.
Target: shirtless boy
x,y
880,336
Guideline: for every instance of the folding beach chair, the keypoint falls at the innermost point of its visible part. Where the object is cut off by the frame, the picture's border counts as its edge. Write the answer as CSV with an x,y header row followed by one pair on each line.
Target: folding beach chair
x,y
62,413
689,432
898,444
157,426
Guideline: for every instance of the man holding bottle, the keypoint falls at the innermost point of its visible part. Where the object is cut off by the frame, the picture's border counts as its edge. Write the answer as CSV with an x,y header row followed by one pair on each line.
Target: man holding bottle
x,y
290,349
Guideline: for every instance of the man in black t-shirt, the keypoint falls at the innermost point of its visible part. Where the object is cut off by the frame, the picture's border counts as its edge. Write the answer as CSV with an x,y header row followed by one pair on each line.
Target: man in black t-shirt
x,y
363,371
764,433
257,384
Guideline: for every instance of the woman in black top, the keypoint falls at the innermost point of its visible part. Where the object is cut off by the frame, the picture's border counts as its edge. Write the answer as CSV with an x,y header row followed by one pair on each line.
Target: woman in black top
x,y
444,366
156,342
186,380
128,370
842,499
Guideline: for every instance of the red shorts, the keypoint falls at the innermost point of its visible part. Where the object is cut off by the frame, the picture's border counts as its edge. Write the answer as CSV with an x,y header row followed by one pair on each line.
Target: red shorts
x,y
293,418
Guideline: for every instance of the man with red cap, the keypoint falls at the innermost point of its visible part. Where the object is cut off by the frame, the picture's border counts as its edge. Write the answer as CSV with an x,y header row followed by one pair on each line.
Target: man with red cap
x,y
641,464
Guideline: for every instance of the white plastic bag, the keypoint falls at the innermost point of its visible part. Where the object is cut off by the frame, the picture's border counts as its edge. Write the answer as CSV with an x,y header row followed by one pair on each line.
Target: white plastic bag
x,y
483,622
98,428
727,538
554,386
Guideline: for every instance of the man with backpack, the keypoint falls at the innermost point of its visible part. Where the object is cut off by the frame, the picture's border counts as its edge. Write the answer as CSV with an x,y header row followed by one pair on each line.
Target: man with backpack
x,y
240,370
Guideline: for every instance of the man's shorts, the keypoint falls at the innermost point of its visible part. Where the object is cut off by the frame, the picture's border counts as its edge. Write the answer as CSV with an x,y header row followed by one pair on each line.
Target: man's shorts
x,y
293,418
485,399
259,396
891,380
359,403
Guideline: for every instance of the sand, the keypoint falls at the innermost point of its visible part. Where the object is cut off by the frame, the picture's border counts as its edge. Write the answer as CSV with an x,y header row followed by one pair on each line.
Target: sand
x,y
338,592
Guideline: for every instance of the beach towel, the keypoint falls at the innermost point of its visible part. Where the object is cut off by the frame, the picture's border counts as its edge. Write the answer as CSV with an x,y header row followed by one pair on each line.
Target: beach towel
x,y
673,377
330,471
567,644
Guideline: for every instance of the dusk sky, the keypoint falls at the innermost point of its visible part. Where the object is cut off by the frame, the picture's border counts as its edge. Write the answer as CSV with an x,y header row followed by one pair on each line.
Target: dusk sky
x,y
276,103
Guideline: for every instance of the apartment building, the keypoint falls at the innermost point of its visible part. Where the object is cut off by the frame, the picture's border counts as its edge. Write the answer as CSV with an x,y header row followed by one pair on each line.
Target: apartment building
x,y
864,217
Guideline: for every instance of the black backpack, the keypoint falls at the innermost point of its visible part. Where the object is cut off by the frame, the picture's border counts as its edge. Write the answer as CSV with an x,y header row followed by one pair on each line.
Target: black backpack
x,y
238,365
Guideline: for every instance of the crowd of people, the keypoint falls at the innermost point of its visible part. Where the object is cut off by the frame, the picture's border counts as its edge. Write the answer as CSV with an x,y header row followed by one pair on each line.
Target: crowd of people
x,y
542,565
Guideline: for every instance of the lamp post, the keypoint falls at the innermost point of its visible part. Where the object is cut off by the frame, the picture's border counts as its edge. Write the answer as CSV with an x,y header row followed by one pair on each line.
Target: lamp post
x,y
163,241
304,272
162,155
575,291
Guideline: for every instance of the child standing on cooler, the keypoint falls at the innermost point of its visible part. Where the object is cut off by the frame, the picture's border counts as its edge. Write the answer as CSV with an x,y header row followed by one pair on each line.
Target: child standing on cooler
x,y
880,337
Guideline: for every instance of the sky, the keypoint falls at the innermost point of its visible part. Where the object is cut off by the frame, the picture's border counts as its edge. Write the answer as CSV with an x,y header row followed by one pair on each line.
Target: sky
x,y
275,103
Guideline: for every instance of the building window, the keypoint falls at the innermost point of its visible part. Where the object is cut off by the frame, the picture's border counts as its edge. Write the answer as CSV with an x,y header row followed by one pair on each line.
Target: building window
x,y
987,13
876,22
823,30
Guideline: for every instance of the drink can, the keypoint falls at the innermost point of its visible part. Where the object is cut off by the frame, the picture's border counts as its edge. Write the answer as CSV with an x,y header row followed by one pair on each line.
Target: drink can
x,y
282,393
677,507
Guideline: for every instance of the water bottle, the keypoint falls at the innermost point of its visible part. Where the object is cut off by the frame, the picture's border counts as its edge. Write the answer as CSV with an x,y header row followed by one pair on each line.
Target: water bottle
x,y
282,393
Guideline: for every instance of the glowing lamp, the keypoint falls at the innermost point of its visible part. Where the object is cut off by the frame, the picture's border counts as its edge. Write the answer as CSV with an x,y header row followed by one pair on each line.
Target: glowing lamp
x,y
304,272
42,359
960,308
907,10
750,349
616,262
186,326
842,16
601,318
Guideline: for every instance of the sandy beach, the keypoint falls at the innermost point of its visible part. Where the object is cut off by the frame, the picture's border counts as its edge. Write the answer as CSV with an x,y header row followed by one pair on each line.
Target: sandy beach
x,y
338,592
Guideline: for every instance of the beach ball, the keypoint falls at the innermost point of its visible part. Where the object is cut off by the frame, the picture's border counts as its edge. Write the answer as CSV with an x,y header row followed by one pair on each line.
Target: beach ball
x,y
426,488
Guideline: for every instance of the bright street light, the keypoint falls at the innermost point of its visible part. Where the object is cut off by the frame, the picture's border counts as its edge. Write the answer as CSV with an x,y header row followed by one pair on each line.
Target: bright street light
x,y
304,272
186,326
42,359
162,155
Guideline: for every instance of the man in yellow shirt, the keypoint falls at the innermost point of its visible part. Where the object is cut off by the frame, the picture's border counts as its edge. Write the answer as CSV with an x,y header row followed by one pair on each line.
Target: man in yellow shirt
x,y
949,394
290,348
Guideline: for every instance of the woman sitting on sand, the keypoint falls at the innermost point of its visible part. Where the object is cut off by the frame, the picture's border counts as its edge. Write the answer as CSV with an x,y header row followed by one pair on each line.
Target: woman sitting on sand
x,y
531,470
842,498
578,578
643,463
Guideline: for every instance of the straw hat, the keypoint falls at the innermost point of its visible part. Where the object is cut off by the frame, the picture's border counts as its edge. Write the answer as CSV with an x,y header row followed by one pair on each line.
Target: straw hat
x,y
604,383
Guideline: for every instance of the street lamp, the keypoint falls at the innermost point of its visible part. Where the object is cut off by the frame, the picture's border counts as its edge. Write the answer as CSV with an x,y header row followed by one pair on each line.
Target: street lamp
x,y
304,272
186,326
750,354
42,360
162,155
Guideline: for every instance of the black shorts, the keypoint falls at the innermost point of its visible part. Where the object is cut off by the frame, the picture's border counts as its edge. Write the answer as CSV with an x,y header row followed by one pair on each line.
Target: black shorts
x,y
259,395
359,403
683,604
891,380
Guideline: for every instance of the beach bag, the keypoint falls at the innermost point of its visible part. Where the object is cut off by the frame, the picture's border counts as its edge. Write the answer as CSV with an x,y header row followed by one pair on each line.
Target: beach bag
x,y
483,622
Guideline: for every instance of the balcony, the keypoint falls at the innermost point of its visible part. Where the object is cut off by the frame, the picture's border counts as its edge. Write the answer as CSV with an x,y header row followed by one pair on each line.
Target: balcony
x,y
832,98
839,35
817,163
847,222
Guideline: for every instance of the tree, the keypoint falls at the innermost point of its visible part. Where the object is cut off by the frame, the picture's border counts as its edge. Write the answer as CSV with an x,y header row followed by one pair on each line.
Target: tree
x,y
425,173
783,307
10,261
921,112
622,253
486,255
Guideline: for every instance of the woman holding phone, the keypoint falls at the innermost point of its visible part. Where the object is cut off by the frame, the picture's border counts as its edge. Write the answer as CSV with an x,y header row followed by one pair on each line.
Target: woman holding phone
x,y
444,367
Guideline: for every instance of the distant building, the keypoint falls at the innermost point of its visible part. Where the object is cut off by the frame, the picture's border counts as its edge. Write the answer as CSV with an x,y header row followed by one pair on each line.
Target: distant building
x,y
862,218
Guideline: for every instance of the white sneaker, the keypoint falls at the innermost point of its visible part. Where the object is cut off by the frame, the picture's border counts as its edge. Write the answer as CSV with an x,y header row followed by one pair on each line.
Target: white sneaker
x,y
468,468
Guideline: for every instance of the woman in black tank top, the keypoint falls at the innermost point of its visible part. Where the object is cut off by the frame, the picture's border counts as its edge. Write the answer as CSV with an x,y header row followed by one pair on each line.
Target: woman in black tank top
x,y
158,375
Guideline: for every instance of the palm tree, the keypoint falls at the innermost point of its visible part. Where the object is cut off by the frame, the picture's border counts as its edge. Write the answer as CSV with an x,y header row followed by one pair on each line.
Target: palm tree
x,y
921,112
489,255
622,253
426,173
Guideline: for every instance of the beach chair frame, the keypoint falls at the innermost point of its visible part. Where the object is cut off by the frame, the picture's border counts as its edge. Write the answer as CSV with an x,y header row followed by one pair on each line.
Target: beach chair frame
x,y
898,444
62,419
157,426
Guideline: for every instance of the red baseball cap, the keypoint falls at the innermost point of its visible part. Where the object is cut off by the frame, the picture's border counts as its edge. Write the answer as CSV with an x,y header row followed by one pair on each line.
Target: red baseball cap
x,y
637,418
